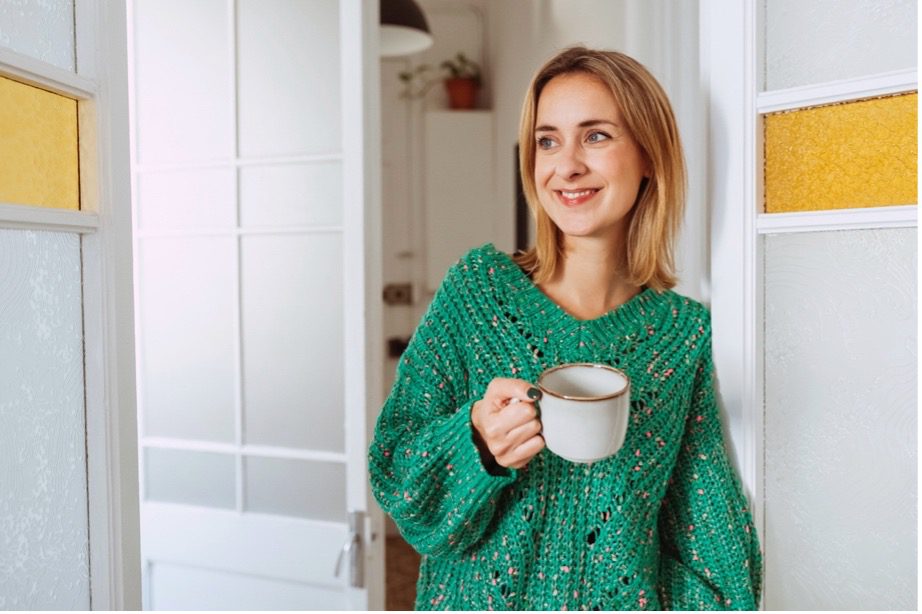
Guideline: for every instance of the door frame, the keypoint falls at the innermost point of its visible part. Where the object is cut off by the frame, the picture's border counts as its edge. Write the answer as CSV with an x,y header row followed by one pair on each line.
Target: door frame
x,y
728,52
104,224
362,279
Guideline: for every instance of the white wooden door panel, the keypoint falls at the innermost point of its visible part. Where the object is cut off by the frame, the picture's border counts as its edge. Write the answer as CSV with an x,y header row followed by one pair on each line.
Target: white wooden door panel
x,y
211,590
246,544
255,323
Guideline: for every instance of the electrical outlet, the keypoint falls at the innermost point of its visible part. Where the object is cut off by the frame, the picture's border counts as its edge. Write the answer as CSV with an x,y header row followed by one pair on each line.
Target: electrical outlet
x,y
398,294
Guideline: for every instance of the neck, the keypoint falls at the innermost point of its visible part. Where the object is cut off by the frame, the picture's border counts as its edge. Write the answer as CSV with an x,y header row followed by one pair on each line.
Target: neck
x,y
590,280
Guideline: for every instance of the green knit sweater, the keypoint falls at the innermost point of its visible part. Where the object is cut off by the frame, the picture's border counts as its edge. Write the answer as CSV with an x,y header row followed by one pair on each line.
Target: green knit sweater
x,y
663,524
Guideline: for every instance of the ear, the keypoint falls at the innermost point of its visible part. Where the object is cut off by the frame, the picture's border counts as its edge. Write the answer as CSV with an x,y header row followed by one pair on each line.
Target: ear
x,y
647,167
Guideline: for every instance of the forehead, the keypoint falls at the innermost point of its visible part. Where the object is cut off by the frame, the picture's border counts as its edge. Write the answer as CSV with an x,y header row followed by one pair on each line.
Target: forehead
x,y
575,97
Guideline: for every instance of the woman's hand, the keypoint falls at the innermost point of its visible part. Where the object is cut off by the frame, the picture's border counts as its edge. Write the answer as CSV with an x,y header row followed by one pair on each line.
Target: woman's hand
x,y
506,424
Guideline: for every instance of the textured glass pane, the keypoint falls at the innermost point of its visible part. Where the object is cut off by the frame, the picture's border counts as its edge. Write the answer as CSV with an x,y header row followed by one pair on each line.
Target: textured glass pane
x,y
186,345
38,147
307,489
200,198
292,195
293,340
302,117
840,423
183,73
39,29
44,558
814,41
859,154
195,478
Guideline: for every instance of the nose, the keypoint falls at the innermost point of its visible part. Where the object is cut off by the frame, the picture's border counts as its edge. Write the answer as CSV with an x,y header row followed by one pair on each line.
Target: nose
x,y
570,163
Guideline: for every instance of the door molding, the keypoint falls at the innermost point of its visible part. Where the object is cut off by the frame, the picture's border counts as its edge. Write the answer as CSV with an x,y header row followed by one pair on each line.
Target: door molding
x,y
883,84
112,448
729,53
362,277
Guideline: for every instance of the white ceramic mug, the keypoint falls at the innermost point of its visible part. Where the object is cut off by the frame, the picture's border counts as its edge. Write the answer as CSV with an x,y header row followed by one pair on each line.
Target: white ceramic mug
x,y
584,410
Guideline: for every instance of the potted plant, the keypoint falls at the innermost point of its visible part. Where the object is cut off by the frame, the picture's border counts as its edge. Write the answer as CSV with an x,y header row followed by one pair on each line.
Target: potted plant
x,y
463,82
461,77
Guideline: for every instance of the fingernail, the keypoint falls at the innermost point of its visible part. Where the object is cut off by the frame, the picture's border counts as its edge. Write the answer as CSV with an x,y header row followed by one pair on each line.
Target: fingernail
x,y
534,394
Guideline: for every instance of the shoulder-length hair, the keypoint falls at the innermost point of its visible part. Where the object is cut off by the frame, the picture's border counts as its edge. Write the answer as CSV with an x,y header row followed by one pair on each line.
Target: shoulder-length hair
x,y
657,213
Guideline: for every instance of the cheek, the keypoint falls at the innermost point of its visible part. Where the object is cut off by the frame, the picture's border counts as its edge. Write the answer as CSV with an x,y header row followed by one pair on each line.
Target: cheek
x,y
543,172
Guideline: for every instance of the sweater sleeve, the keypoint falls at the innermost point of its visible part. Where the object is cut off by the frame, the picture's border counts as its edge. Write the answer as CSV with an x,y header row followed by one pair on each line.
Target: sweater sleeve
x,y
710,557
425,469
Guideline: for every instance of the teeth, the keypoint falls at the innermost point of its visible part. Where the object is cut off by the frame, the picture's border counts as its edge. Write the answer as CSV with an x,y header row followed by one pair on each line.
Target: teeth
x,y
579,194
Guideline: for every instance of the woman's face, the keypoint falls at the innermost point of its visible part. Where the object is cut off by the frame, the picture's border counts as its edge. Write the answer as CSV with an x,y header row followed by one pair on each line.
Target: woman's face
x,y
588,168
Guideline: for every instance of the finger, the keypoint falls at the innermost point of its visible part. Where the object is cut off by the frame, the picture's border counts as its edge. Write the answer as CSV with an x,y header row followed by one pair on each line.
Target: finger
x,y
521,455
502,390
522,433
498,426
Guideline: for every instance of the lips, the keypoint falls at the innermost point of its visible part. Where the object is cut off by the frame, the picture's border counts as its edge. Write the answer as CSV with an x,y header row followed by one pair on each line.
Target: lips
x,y
575,197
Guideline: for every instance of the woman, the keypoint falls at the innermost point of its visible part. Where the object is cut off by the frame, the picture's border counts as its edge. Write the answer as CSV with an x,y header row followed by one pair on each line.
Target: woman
x,y
458,459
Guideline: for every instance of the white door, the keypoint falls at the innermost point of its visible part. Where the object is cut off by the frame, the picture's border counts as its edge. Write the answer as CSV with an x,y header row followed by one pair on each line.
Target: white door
x,y
68,486
813,261
255,157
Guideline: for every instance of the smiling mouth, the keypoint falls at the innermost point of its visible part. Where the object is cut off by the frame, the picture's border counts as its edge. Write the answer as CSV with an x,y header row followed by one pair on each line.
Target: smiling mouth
x,y
575,197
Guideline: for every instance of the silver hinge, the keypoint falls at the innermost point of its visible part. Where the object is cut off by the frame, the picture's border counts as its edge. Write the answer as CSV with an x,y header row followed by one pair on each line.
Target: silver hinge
x,y
353,551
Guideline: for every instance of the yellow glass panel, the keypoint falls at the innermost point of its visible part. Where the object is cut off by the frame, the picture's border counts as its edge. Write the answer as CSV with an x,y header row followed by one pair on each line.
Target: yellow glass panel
x,y
38,147
854,154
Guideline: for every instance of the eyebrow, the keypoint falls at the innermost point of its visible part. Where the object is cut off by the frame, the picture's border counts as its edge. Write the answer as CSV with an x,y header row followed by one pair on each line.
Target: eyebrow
x,y
585,124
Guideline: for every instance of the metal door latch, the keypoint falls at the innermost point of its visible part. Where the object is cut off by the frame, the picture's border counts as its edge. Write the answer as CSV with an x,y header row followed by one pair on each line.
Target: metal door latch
x,y
353,552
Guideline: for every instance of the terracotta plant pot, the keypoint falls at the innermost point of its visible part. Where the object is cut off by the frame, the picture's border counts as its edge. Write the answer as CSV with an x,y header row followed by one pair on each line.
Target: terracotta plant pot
x,y
462,93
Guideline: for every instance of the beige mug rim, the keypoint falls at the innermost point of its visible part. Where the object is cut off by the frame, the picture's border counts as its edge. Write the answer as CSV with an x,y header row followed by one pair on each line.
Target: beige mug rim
x,y
594,365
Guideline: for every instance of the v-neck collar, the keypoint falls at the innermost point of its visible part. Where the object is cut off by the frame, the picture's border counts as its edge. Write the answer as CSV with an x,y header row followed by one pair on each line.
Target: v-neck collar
x,y
533,302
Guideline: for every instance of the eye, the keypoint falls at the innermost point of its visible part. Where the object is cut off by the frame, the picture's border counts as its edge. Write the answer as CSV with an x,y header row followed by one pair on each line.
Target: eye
x,y
545,142
597,137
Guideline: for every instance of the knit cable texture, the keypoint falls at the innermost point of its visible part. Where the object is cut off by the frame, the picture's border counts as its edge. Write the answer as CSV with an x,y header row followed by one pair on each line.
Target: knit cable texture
x,y
663,524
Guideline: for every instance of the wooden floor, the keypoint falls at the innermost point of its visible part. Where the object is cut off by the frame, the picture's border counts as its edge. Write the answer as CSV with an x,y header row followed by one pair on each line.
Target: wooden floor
x,y
402,569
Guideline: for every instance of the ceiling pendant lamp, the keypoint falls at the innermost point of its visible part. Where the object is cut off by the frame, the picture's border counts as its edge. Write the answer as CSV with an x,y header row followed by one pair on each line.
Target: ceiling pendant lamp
x,y
404,29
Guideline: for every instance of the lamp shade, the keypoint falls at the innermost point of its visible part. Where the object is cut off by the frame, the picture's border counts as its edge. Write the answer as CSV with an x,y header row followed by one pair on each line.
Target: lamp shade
x,y
404,29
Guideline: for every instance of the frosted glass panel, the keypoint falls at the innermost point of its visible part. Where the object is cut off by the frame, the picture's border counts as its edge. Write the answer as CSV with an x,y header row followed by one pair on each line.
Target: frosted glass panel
x,y
182,587
814,41
292,195
44,558
195,478
187,352
289,99
840,423
40,29
181,105
300,488
293,340
186,199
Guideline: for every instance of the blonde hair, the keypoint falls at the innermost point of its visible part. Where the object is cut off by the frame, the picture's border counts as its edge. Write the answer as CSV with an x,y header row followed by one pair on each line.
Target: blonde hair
x,y
657,213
